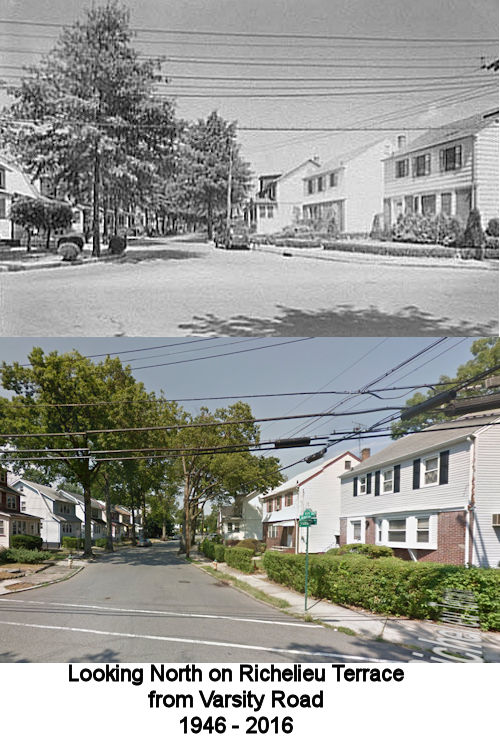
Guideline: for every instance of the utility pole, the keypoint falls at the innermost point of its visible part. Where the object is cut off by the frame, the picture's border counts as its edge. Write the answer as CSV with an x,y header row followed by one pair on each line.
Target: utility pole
x,y
229,186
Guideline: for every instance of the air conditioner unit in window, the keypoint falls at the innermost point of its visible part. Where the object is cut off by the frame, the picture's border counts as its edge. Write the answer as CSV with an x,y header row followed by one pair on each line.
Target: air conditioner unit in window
x,y
496,519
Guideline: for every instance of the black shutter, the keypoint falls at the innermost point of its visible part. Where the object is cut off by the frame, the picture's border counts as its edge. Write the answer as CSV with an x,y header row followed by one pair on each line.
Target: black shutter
x,y
444,459
397,477
377,482
369,483
416,474
355,486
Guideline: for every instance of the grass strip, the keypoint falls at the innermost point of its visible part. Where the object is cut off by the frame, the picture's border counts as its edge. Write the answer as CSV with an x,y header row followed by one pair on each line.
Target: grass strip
x,y
254,592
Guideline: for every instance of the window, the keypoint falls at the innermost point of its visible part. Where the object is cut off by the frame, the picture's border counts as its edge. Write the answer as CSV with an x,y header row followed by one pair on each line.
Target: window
x,y
3,208
431,470
11,502
333,179
356,530
230,528
428,205
396,530
262,211
408,204
2,178
450,159
321,183
269,506
288,499
388,481
310,187
347,464
362,485
402,168
23,505
236,527
422,165
2,530
270,211
67,528
3,475
446,203
277,503
423,530
272,532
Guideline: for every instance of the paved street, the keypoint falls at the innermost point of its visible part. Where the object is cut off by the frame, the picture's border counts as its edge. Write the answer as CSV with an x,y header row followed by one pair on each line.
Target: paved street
x,y
147,605
184,288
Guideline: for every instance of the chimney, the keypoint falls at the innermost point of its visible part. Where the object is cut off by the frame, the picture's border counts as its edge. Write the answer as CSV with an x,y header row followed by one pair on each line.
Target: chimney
x,y
365,453
401,141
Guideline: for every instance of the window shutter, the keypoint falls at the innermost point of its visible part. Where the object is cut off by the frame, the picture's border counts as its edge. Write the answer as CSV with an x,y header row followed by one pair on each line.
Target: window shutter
x,y
355,486
414,167
427,164
441,160
397,477
377,482
444,459
458,156
416,474
369,483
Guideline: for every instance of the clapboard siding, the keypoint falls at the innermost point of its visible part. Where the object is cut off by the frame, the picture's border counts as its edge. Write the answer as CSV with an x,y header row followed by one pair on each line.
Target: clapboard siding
x,y
486,165
486,547
435,497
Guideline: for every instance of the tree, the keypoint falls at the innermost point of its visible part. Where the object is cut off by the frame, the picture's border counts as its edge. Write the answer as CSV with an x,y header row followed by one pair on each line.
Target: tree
x,y
486,354
40,392
28,213
84,108
209,476
209,156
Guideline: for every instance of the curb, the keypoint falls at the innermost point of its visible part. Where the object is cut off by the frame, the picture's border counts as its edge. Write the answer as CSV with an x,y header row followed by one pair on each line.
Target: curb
x,y
8,267
44,584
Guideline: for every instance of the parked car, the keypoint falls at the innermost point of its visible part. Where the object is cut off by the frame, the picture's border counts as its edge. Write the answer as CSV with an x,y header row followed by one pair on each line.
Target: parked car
x,y
143,542
237,236
72,237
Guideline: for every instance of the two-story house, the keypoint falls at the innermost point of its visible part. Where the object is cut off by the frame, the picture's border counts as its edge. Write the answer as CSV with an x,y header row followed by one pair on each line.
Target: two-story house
x,y
98,514
278,202
242,519
318,489
432,496
348,188
449,170
55,510
13,516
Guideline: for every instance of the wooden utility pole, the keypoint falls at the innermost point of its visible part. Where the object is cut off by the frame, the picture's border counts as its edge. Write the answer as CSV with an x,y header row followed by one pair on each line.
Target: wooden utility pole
x,y
229,187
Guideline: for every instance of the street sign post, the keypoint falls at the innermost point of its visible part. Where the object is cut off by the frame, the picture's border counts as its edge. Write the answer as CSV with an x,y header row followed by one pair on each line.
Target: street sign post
x,y
307,519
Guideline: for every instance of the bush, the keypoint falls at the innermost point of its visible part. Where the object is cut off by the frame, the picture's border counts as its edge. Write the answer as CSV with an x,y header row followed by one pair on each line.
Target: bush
x,y
239,558
117,244
377,230
25,541
231,542
207,547
24,556
388,585
492,227
69,251
253,544
219,550
473,235
71,542
368,550
101,542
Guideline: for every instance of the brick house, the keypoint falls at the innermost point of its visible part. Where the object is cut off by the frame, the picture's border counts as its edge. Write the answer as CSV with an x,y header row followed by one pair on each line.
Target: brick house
x,y
317,488
13,516
432,496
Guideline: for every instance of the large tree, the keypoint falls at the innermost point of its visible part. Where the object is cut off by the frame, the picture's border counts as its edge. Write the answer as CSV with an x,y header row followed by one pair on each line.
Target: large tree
x,y
91,122
486,354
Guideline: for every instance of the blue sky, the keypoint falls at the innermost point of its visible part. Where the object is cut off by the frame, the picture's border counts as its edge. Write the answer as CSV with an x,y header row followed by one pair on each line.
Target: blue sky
x,y
318,363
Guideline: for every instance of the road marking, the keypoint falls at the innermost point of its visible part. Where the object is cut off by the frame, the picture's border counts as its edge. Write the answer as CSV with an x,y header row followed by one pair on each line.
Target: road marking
x,y
180,640
165,613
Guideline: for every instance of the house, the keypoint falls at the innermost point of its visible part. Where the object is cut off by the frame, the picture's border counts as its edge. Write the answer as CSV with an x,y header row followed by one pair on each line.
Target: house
x,y
13,516
54,508
348,188
317,489
242,519
13,181
278,203
98,527
449,170
432,496
123,521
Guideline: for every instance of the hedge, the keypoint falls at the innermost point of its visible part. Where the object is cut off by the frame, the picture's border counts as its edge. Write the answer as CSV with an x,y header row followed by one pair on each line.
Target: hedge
x,y
23,556
71,542
254,544
25,541
368,550
239,558
101,542
388,585
207,547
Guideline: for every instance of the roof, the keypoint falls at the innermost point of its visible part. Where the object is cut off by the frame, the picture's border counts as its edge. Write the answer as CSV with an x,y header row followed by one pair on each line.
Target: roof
x,y
288,172
451,131
13,167
18,514
95,503
339,161
303,477
437,435
46,490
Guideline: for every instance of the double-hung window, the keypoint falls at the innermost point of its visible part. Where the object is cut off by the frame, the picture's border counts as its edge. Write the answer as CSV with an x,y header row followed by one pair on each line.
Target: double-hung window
x,y
388,481
402,168
288,499
431,470
269,506
362,485
277,503
333,179
11,502
422,165
356,530
396,530
451,158
423,530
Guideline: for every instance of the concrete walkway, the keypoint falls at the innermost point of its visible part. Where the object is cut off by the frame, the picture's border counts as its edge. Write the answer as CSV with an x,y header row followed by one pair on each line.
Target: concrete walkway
x,y
47,575
374,626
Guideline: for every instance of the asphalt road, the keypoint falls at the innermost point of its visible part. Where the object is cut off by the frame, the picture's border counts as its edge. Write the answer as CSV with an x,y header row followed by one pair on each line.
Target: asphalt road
x,y
178,288
148,605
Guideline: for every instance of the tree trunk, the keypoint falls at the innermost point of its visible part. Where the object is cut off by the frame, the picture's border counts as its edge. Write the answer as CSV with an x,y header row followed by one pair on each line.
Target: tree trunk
x,y
28,240
87,544
47,242
105,216
109,525
187,518
210,227
164,531
134,538
96,238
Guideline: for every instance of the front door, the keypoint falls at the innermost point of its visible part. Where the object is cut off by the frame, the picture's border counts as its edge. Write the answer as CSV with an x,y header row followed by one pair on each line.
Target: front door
x,y
464,204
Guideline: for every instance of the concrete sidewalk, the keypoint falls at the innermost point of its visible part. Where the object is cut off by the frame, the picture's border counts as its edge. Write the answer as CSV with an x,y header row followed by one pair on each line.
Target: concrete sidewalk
x,y
374,626
47,575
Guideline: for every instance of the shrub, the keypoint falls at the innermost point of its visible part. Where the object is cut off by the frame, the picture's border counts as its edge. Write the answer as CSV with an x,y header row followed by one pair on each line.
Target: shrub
x,y
24,556
492,227
252,544
377,230
207,547
239,558
368,550
71,542
388,585
117,244
25,541
219,550
101,542
231,542
69,251
473,235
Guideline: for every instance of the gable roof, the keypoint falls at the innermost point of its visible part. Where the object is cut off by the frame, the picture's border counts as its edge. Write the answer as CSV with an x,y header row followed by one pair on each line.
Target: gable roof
x,y
341,159
435,436
46,490
451,131
307,475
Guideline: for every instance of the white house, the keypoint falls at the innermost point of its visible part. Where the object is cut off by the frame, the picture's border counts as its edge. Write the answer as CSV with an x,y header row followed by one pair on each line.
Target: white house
x,y
432,496
13,517
242,519
449,170
348,188
279,201
13,181
55,510
317,489
98,514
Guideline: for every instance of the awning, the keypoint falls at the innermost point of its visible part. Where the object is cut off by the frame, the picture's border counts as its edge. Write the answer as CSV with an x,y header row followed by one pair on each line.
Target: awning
x,y
285,524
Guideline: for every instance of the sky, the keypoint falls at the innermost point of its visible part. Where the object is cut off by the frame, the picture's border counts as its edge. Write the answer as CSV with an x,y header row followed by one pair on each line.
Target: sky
x,y
474,20
310,365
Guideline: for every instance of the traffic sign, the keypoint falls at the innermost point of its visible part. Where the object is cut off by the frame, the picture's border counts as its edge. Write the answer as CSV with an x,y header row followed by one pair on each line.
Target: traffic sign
x,y
308,518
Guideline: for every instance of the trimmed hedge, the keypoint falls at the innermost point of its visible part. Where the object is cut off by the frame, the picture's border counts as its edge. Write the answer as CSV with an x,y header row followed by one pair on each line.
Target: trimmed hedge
x,y
207,547
388,585
25,541
23,556
368,550
71,542
254,544
219,550
239,558
101,542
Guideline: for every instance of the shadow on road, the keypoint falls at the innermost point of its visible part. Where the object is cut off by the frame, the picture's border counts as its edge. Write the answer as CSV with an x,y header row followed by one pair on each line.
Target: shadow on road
x,y
369,649
136,254
105,655
11,657
158,554
345,320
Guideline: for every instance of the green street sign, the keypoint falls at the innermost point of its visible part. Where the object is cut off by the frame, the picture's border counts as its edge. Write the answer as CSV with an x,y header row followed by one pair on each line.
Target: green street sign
x,y
308,518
